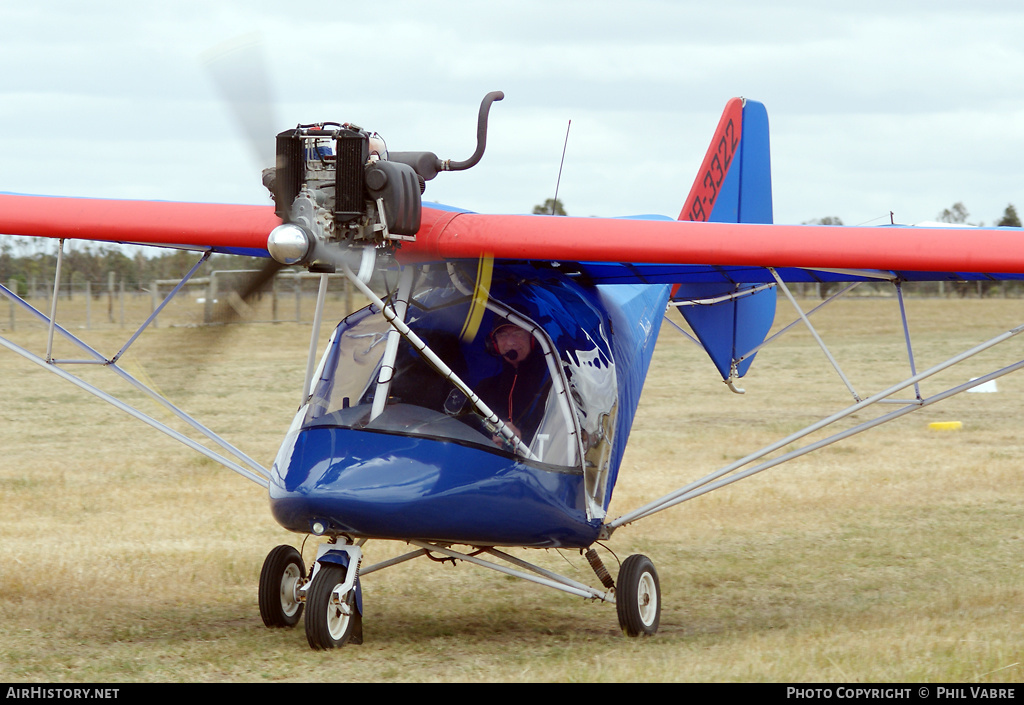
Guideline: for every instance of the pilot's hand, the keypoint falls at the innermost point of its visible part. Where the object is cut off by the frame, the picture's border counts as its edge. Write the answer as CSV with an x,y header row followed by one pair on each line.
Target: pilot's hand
x,y
503,442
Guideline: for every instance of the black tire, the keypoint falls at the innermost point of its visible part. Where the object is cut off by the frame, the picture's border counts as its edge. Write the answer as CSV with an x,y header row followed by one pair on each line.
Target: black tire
x,y
327,626
282,572
638,597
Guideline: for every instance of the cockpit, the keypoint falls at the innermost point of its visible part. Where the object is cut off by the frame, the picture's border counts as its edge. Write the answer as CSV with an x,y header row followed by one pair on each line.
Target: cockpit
x,y
551,403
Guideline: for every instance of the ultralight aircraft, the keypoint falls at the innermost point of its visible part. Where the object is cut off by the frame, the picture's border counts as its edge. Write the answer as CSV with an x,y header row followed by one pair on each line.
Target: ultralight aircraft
x,y
485,401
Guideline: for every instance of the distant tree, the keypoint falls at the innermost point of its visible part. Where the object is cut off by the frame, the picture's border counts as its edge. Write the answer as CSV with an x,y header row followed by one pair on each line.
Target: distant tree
x,y
956,214
1010,218
827,220
551,206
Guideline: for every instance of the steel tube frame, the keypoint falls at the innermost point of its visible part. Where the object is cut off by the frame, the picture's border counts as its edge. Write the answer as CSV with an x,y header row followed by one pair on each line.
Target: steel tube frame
x,y
314,337
53,301
540,576
720,299
132,411
543,577
255,471
814,332
690,490
810,313
394,561
167,299
387,367
906,336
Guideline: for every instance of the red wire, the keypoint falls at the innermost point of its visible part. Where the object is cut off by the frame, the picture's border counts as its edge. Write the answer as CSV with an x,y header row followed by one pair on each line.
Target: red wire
x,y
513,388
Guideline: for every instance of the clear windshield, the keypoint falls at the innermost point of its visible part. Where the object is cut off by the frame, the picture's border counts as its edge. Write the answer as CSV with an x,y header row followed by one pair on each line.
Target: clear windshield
x,y
421,401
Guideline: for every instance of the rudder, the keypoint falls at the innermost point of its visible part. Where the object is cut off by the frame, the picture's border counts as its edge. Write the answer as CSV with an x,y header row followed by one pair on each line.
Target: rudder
x,y
733,185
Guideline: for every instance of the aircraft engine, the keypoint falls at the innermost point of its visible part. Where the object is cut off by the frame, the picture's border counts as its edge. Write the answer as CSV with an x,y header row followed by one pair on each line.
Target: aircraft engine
x,y
337,183
328,182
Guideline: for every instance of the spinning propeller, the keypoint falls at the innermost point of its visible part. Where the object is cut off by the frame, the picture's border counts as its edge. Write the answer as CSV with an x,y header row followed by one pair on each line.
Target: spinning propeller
x,y
238,69
343,199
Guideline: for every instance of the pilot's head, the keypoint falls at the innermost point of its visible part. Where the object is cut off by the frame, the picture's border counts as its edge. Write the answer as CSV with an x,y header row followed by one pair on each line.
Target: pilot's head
x,y
512,343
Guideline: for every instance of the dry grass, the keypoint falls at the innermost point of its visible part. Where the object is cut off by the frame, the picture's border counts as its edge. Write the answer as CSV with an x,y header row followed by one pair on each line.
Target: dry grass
x,y
894,556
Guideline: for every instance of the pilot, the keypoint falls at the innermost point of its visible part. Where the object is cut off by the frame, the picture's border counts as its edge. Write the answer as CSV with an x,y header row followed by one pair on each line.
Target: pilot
x,y
518,393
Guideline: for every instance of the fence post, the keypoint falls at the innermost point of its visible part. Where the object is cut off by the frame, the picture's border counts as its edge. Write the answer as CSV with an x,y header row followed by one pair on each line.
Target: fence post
x,y
110,297
13,286
273,300
211,295
154,297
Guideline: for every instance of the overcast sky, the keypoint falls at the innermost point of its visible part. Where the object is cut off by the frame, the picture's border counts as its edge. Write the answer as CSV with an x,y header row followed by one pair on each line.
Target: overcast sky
x,y
891,106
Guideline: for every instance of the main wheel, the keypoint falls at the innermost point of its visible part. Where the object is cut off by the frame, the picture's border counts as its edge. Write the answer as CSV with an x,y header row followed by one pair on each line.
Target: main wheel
x,y
638,597
331,623
283,573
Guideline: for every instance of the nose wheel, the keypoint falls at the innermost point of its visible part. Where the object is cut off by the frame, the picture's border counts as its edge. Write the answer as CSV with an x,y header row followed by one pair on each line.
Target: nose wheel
x,y
332,619
638,597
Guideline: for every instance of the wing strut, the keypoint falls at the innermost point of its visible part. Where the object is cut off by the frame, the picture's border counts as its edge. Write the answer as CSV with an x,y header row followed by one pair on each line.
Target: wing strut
x,y
790,325
906,336
718,478
53,303
245,466
145,418
807,322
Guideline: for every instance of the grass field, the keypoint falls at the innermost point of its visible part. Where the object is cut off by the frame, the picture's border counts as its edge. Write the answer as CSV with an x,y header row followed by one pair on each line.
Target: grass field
x,y
895,556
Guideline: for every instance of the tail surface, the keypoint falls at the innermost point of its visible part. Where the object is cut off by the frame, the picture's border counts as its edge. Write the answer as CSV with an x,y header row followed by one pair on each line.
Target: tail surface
x,y
733,185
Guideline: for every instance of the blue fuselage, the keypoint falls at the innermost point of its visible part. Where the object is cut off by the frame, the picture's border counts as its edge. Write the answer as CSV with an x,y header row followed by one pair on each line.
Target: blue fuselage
x,y
421,471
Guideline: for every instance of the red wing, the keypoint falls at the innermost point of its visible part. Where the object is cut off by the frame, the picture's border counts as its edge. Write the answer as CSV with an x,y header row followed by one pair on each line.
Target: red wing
x,y
223,228
453,235
447,235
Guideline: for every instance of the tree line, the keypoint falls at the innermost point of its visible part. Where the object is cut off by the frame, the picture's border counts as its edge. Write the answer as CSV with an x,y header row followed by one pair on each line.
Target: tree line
x,y
955,214
30,264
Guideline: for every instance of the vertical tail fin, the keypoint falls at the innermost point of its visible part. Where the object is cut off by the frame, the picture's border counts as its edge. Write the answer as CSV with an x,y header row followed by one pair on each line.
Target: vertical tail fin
x,y
733,186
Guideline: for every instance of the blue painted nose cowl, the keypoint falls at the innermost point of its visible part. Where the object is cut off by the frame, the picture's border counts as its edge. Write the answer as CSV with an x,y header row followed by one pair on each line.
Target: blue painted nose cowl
x,y
384,485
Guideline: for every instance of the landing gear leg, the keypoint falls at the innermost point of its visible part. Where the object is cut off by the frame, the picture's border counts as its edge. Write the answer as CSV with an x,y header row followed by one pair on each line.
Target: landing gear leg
x,y
638,597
